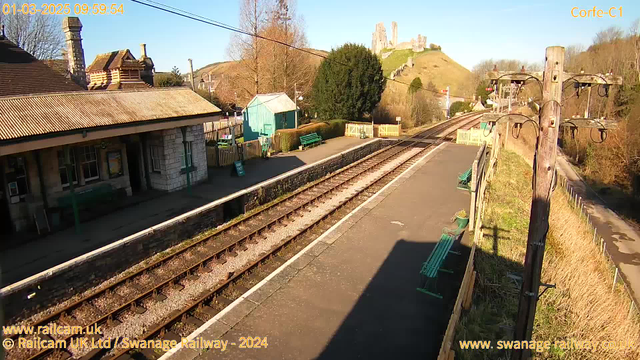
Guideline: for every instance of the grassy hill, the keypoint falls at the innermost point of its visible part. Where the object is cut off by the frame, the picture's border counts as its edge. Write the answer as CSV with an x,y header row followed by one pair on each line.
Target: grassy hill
x,y
430,65
231,68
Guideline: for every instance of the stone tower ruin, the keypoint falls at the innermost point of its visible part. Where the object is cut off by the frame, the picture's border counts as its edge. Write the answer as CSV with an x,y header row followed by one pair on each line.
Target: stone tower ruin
x,y
394,34
379,39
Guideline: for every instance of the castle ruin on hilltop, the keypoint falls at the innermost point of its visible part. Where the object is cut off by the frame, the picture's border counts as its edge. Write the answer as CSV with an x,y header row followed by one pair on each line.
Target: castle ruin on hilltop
x,y
379,40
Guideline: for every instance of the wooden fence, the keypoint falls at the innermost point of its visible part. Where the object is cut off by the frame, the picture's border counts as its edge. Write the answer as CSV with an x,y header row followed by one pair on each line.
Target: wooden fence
x,y
214,132
227,155
483,169
356,130
382,130
388,130
473,136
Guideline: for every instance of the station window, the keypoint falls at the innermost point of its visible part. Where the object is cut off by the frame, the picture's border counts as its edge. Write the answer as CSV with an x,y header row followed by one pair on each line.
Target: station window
x,y
18,186
89,162
189,155
62,169
156,158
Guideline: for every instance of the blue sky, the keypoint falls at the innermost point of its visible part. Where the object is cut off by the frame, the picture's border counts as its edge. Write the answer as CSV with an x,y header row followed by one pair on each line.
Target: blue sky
x,y
468,31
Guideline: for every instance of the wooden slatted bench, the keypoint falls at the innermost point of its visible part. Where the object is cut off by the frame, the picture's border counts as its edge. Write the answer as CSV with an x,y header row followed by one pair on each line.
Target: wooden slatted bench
x,y
464,179
310,140
433,266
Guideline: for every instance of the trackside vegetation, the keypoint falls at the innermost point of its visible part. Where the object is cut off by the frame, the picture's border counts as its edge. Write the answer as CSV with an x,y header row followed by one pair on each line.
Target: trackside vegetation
x,y
582,308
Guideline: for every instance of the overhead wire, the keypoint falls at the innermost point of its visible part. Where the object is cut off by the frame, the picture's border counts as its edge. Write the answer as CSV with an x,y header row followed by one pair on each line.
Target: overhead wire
x,y
185,14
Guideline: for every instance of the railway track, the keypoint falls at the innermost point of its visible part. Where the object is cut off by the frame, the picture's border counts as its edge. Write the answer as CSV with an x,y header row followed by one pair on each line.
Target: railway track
x,y
204,277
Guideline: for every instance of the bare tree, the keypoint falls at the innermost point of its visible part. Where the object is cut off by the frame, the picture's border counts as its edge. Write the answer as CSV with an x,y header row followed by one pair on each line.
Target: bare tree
x,y
248,49
267,65
40,35
607,35
634,37
571,57
288,67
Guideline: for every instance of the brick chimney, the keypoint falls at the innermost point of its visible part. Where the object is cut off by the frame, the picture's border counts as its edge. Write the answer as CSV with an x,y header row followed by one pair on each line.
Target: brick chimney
x,y
143,51
75,54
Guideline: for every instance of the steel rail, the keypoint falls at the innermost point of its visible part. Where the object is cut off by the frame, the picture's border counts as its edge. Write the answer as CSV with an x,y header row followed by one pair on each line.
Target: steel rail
x,y
386,153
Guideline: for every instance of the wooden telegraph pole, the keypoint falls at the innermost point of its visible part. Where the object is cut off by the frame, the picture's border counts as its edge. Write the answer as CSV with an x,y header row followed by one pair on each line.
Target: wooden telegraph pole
x,y
543,182
544,168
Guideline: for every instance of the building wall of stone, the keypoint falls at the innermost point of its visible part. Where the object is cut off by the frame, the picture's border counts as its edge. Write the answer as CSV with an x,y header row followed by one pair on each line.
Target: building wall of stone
x,y
55,286
22,212
172,176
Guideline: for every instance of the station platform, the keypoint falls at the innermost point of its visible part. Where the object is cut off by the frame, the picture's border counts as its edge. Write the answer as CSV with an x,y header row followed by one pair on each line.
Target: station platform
x,y
352,292
146,210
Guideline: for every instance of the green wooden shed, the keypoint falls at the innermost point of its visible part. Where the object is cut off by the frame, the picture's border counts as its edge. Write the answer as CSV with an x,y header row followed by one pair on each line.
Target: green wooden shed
x,y
267,113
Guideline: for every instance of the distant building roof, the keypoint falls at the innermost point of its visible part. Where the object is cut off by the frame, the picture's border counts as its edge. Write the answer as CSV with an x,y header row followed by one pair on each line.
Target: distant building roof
x,y
24,116
276,102
119,59
21,73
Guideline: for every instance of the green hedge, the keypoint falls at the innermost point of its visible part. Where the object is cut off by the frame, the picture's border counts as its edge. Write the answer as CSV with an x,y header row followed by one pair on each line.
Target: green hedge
x,y
289,139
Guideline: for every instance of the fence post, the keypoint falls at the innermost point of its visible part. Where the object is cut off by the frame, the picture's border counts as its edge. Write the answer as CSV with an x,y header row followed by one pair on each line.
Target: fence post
x,y
615,279
595,231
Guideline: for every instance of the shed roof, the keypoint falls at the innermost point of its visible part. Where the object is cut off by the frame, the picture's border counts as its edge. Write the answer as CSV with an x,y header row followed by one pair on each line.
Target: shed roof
x,y
276,102
21,73
23,116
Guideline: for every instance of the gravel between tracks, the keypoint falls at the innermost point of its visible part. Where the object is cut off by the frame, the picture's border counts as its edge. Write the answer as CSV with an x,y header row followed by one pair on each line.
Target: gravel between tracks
x,y
136,324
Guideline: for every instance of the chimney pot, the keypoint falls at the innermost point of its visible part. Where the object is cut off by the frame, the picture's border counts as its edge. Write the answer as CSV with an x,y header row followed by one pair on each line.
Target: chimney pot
x,y
143,50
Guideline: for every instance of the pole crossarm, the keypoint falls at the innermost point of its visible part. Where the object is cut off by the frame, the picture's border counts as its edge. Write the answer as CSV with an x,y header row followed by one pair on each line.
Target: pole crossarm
x,y
578,77
571,122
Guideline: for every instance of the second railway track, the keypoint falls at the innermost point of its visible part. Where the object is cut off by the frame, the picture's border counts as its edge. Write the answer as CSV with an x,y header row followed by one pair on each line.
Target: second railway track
x,y
173,296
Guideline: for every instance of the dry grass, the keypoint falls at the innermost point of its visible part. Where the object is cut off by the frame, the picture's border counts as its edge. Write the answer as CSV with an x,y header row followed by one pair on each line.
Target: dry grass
x,y
582,307
441,70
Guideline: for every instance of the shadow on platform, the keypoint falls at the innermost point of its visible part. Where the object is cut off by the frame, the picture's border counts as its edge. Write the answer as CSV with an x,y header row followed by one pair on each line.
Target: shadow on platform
x,y
391,319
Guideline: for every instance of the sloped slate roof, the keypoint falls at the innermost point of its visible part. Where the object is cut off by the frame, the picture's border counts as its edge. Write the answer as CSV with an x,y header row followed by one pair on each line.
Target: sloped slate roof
x,y
114,60
24,116
21,73
276,102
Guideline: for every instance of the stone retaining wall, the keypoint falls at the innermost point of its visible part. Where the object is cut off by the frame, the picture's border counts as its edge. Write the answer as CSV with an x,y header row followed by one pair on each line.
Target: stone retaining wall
x,y
80,274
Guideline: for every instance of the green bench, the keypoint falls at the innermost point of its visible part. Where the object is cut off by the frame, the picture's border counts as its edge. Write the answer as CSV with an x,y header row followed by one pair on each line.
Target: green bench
x,y
310,140
103,192
433,266
464,179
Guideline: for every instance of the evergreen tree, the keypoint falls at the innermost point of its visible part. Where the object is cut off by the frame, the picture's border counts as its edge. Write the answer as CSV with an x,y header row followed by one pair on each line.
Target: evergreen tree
x,y
349,83
416,84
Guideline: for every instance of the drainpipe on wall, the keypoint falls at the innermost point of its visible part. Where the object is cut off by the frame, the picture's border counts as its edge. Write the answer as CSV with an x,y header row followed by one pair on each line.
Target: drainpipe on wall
x,y
74,203
186,159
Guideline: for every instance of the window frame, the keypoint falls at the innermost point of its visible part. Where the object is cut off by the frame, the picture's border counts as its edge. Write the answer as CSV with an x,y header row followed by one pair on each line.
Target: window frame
x,y
83,161
13,163
189,155
156,160
62,166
